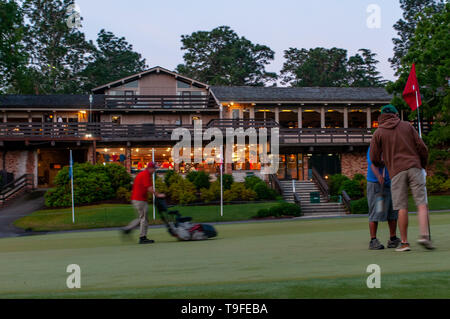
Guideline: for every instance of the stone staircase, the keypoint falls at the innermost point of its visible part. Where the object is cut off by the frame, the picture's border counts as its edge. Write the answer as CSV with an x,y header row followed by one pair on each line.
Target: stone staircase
x,y
303,189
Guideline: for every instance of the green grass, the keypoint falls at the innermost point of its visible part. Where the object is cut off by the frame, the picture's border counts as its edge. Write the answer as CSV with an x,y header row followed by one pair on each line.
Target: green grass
x,y
324,258
441,202
110,215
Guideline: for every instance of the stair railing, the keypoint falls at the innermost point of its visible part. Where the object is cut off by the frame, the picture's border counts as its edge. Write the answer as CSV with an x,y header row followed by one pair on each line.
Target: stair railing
x,y
346,200
12,188
275,184
321,183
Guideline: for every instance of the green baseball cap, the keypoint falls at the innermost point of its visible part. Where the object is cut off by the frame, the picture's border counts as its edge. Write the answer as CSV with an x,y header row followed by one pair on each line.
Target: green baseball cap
x,y
389,109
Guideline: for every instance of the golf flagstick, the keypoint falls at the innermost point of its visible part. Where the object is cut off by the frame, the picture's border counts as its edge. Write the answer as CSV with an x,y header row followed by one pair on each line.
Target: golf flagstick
x,y
221,180
418,116
154,186
71,182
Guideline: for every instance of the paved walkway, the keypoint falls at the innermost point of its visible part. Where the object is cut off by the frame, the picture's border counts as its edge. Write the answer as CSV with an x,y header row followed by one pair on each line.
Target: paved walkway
x,y
19,207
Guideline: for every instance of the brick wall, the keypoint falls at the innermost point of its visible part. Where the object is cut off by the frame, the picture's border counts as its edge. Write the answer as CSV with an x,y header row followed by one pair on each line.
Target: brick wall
x,y
354,163
20,163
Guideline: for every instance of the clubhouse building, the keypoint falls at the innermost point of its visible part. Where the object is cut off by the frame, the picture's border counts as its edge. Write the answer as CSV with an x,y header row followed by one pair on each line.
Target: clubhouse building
x,y
130,120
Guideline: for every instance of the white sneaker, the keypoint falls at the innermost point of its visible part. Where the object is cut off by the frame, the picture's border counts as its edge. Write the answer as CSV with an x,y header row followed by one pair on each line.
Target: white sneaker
x,y
426,242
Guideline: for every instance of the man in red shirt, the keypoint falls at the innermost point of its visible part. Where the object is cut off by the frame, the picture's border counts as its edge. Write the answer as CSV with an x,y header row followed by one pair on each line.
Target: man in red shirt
x,y
142,185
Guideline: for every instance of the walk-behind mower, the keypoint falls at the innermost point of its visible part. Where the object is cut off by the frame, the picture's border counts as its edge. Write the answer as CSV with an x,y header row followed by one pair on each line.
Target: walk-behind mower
x,y
182,227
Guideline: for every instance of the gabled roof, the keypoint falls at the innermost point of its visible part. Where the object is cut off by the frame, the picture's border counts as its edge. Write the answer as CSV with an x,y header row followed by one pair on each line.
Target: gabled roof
x,y
298,94
156,69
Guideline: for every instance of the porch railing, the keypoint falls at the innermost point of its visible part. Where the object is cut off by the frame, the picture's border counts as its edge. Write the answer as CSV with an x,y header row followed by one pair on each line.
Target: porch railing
x,y
158,101
275,184
12,189
112,131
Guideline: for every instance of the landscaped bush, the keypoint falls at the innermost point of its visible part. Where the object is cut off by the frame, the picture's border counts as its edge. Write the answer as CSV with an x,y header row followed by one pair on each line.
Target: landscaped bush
x,y
261,189
227,181
182,191
238,192
437,184
352,188
167,177
283,209
335,182
360,206
200,179
123,194
212,194
91,183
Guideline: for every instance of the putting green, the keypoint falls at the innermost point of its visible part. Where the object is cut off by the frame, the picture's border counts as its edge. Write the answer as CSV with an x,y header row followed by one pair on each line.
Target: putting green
x,y
324,258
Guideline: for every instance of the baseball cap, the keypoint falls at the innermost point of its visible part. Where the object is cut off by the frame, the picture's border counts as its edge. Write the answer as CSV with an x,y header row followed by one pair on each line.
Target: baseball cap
x,y
389,109
152,165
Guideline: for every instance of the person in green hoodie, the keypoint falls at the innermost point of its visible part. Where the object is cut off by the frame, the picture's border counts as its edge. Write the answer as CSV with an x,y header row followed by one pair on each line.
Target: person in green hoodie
x,y
405,156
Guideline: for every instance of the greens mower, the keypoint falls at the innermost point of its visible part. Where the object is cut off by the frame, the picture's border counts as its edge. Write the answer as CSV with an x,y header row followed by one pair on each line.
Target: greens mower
x,y
181,227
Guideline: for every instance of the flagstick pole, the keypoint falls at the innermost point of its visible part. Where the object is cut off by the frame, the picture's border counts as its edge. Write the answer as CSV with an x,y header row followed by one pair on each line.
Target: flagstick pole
x,y
418,116
71,182
154,186
221,181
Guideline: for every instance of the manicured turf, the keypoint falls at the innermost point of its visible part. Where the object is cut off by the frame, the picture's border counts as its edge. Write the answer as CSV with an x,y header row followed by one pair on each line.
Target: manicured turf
x,y
324,258
109,215
441,202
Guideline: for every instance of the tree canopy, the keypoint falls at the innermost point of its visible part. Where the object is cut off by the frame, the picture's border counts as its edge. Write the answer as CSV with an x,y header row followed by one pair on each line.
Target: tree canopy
x,y
221,57
330,68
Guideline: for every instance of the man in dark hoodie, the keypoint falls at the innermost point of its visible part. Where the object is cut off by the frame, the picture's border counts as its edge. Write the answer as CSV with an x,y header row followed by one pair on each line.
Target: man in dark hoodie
x,y
405,156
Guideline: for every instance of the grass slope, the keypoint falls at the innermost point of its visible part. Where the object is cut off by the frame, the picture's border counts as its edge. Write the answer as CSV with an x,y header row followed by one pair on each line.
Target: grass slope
x,y
324,258
113,215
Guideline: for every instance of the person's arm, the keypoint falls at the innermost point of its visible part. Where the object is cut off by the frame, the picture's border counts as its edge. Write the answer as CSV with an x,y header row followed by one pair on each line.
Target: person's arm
x,y
377,174
154,192
375,151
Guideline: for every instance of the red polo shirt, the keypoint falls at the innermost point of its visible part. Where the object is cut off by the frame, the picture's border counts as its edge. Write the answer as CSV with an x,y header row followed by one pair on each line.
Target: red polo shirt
x,y
141,184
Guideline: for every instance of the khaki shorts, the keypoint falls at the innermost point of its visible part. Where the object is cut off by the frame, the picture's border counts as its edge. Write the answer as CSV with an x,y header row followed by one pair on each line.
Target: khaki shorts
x,y
414,179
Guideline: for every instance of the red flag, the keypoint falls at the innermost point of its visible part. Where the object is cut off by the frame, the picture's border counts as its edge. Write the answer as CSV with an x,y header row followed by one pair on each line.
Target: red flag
x,y
411,94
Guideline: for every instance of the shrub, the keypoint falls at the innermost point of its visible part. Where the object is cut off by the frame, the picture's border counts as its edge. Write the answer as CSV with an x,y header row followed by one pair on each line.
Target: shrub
x,y
182,191
360,206
118,176
352,188
200,179
211,194
227,181
262,213
359,177
251,181
91,183
436,184
264,192
335,182
238,192
167,177
283,209
123,194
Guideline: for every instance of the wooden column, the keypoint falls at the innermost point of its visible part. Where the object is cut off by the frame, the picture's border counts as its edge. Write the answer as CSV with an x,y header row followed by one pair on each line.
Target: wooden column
x,y
322,117
300,117
369,118
128,159
277,114
345,117
252,113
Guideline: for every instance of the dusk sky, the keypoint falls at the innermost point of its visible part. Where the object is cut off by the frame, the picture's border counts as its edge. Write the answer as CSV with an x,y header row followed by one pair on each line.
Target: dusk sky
x,y
154,28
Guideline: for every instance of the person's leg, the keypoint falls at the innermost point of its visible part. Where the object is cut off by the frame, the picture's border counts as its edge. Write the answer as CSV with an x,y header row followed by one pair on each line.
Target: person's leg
x,y
143,218
373,227
422,214
399,192
135,222
392,228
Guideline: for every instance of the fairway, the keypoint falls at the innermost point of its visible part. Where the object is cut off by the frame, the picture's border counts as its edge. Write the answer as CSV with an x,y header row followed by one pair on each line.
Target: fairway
x,y
323,258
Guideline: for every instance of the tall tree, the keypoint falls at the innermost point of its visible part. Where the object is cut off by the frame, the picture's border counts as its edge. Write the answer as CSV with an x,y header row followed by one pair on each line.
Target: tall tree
x,y
413,11
58,49
362,70
429,49
114,58
13,57
330,67
221,57
314,67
